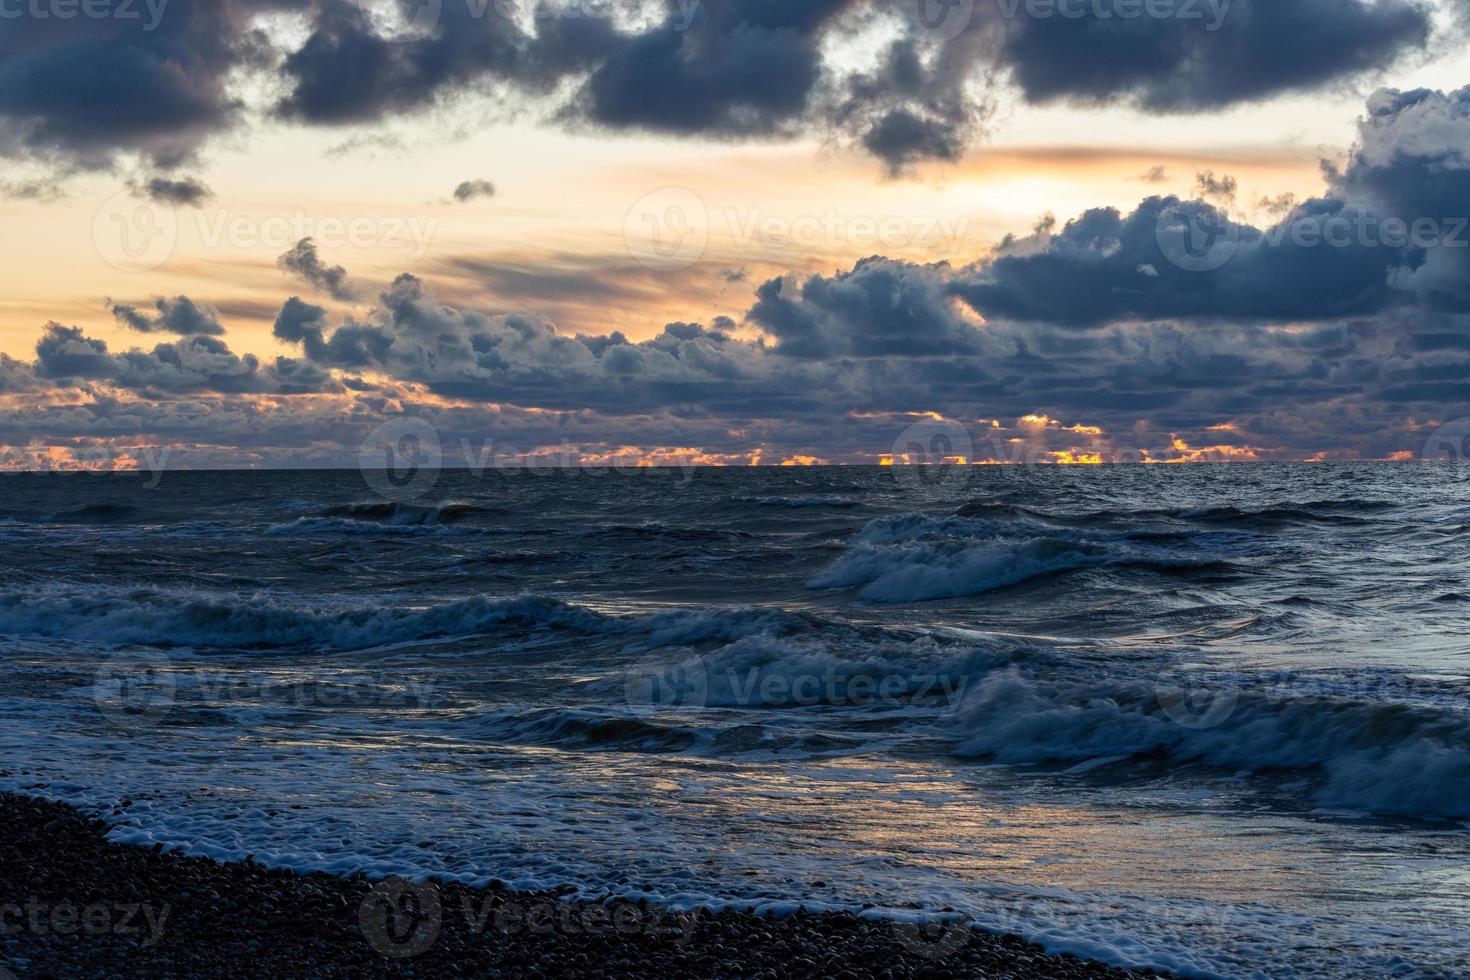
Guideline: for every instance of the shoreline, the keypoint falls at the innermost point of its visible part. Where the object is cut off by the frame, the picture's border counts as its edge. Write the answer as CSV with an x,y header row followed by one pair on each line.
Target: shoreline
x,y
73,904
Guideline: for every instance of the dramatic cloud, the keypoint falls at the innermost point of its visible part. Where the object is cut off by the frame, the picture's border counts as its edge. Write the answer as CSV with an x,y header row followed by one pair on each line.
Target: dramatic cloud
x,y
912,109
303,262
346,71
180,315
158,84
878,309
1393,232
1207,55
152,82
193,364
1412,163
1174,330
524,360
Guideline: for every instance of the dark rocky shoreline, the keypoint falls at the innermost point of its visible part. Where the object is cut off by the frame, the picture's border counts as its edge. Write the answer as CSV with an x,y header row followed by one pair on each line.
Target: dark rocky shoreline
x,y
73,904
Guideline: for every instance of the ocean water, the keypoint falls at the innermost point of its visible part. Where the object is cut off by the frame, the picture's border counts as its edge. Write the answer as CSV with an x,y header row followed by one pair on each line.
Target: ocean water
x,y
1214,719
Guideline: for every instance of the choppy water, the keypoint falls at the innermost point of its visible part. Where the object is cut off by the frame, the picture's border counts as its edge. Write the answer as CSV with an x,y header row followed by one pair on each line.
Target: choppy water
x,y
1215,719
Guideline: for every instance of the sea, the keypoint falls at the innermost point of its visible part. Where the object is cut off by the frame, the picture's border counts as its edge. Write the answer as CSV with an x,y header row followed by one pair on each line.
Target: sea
x,y
1213,719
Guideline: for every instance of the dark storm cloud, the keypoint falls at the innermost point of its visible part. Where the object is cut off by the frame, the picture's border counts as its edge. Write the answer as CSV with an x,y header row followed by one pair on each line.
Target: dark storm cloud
x,y
737,67
158,85
179,314
182,192
1292,345
918,104
734,68
525,360
152,80
1259,48
1287,388
880,308
741,67
1393,232
191,364
15,375
64,353
1106,266
345,71
1412,161
352,346
469,190
304,263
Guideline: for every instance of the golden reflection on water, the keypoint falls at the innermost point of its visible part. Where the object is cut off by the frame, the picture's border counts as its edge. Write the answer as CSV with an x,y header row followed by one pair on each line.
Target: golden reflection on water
x,y
966,826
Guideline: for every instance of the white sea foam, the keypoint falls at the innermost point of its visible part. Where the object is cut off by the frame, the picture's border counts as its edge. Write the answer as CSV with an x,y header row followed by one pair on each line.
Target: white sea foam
x,y
915,558
839,502
1375,757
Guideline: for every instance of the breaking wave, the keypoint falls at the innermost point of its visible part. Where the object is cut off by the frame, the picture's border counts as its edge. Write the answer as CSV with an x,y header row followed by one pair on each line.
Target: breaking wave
x,y
166,618
1378,757
915,558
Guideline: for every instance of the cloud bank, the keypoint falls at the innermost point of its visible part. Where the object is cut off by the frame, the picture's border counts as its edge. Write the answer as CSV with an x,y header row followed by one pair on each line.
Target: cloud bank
x,y
157,81
1176,330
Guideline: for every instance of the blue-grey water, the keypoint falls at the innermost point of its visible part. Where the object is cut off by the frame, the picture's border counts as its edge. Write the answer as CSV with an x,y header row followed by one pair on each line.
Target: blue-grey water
x,y
1208,718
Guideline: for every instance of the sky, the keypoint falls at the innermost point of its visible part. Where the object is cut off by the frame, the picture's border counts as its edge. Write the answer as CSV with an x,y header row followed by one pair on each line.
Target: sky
x,y
255,233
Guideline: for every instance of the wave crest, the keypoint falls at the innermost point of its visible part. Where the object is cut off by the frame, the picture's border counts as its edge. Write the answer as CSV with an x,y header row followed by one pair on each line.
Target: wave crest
x,y
163,618
915,558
